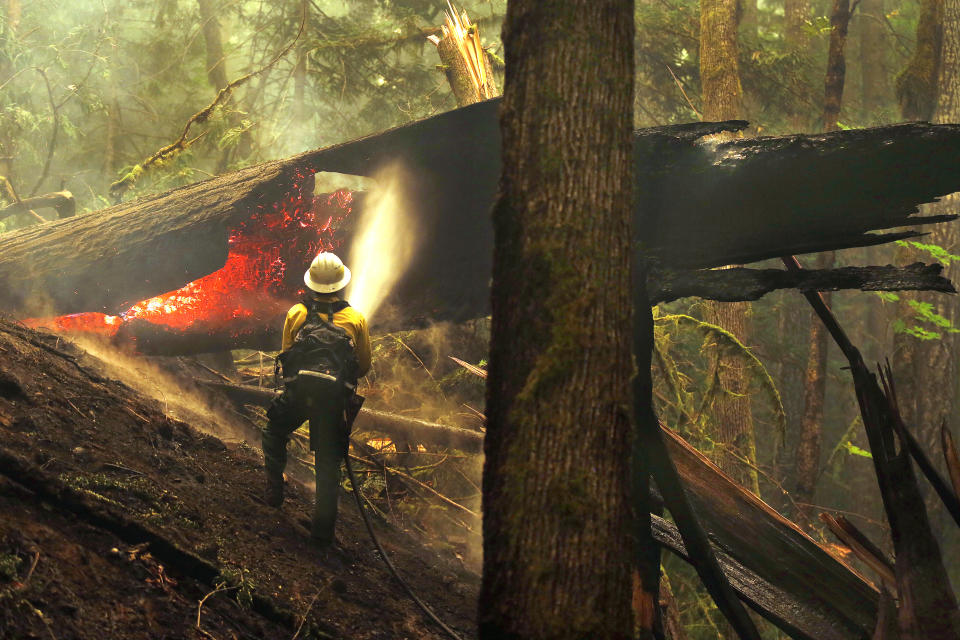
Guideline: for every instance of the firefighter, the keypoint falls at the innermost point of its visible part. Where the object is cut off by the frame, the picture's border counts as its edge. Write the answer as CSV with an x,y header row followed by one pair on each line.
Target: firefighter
x,y
326,348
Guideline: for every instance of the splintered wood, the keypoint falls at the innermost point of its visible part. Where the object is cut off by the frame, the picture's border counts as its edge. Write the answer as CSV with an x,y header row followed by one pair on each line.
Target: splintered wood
x,y
464,60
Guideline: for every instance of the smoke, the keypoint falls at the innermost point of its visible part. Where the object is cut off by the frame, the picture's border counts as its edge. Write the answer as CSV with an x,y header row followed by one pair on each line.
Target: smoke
x,y
176,399
384,242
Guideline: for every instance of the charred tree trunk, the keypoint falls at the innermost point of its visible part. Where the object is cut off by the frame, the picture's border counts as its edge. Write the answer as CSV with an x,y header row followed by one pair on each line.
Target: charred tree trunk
x,y
557,512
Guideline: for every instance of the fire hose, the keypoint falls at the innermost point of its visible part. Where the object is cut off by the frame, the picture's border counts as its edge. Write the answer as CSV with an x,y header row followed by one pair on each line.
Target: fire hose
x,y
353,408
386,559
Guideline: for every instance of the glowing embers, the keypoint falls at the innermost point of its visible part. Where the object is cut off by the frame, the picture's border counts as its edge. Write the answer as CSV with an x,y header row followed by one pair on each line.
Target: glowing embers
x,y
267,256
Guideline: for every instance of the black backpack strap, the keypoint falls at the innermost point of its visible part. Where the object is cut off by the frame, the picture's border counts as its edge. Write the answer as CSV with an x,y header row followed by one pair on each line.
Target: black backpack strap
x,y
325,307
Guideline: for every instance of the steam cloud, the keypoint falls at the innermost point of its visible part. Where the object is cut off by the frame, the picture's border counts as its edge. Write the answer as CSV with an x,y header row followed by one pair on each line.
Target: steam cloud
x,y
385,241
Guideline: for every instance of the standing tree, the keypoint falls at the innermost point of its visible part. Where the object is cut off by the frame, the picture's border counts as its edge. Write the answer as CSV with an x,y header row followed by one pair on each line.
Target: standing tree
x,y
723,100
926,342
556,489
807,468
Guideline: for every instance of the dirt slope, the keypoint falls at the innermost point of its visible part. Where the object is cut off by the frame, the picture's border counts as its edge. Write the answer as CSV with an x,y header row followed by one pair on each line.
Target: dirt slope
x,y
116,520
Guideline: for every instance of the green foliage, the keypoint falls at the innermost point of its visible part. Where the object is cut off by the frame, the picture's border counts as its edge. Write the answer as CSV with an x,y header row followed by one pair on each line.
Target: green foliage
x,y
686,390
9,566
238,578
854,450
936,251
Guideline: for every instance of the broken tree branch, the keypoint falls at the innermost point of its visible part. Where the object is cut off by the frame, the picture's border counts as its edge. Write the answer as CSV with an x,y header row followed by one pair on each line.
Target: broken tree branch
x,y
861,547
124,184
944,491
62,201
928,606
739,284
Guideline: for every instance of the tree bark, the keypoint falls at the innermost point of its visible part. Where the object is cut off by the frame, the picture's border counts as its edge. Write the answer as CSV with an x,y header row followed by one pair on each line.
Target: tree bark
x,y
557,508
719,62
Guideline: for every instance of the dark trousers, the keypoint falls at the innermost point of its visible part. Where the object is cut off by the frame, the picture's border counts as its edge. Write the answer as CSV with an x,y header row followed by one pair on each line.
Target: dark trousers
x,y
300,402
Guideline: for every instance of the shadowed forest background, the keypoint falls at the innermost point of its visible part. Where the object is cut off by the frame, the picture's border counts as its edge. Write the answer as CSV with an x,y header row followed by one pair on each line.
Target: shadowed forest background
x,y
91,91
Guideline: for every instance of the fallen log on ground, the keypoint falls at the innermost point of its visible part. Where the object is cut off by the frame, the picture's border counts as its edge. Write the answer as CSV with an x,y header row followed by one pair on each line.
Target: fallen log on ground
x,y
701,205
820,597
747,529
389,424
773,603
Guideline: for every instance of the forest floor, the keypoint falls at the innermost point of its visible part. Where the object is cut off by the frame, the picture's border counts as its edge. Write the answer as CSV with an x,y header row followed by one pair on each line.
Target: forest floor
x,y
118,520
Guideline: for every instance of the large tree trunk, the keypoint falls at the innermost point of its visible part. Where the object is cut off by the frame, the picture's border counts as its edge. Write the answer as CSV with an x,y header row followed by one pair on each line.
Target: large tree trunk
x,y
557,513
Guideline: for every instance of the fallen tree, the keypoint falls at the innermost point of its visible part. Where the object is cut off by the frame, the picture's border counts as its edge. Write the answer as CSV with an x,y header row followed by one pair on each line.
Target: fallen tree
x,y
776,568
704,205
262,331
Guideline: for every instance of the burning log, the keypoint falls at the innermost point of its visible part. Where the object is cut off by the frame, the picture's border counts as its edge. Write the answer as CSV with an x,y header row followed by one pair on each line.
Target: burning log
x,y
702,205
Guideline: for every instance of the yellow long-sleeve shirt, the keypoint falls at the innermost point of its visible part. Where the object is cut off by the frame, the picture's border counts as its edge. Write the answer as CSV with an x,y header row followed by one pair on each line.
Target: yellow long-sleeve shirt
x,y
349,319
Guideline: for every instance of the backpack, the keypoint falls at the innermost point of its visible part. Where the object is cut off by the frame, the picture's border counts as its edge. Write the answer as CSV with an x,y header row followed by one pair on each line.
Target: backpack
x,y
321,346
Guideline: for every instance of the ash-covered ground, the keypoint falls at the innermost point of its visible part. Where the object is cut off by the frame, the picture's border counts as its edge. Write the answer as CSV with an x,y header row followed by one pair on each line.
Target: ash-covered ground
x,y
118,520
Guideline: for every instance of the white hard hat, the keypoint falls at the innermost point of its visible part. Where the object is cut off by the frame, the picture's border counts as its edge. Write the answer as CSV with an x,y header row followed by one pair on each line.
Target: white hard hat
x,y
326,274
